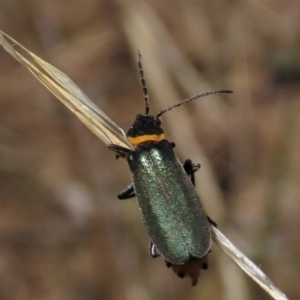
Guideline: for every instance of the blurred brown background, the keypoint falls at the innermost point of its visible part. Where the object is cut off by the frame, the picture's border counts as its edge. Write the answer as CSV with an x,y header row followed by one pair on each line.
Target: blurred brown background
x,y
63,233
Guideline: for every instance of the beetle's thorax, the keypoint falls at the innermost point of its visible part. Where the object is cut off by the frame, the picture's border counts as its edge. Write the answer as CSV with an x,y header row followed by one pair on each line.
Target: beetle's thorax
x,y
145,128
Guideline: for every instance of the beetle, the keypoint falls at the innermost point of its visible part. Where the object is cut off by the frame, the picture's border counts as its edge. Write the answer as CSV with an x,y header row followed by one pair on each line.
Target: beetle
x,y
171,209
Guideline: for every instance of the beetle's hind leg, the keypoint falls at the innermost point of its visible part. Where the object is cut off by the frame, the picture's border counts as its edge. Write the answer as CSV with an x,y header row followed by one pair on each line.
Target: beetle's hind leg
x,y
152,250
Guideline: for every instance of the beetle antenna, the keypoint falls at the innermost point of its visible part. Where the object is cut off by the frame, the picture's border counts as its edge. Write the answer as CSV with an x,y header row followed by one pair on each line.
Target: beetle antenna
x,y
190,99
143,81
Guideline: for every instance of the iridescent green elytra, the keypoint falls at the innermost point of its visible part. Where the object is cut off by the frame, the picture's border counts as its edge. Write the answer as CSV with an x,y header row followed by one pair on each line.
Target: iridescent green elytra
x,y
170,206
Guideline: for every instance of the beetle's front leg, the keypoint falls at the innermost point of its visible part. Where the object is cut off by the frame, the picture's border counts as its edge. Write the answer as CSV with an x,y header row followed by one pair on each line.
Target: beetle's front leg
x,y
121,151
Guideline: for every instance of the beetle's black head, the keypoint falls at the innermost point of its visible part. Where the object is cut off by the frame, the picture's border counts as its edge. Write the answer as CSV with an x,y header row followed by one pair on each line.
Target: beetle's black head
x,y
144,129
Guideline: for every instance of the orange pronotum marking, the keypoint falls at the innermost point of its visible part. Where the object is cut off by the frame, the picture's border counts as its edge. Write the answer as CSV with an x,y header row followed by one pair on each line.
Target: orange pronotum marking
x,y
135,141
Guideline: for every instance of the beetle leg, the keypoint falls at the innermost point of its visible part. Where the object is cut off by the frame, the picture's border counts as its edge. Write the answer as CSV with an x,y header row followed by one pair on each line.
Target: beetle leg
x,y
127,193
121,151
190,169
152,250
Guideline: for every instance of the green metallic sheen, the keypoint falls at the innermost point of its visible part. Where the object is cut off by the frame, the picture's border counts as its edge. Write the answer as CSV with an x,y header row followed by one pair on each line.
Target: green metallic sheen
x,y
170,207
